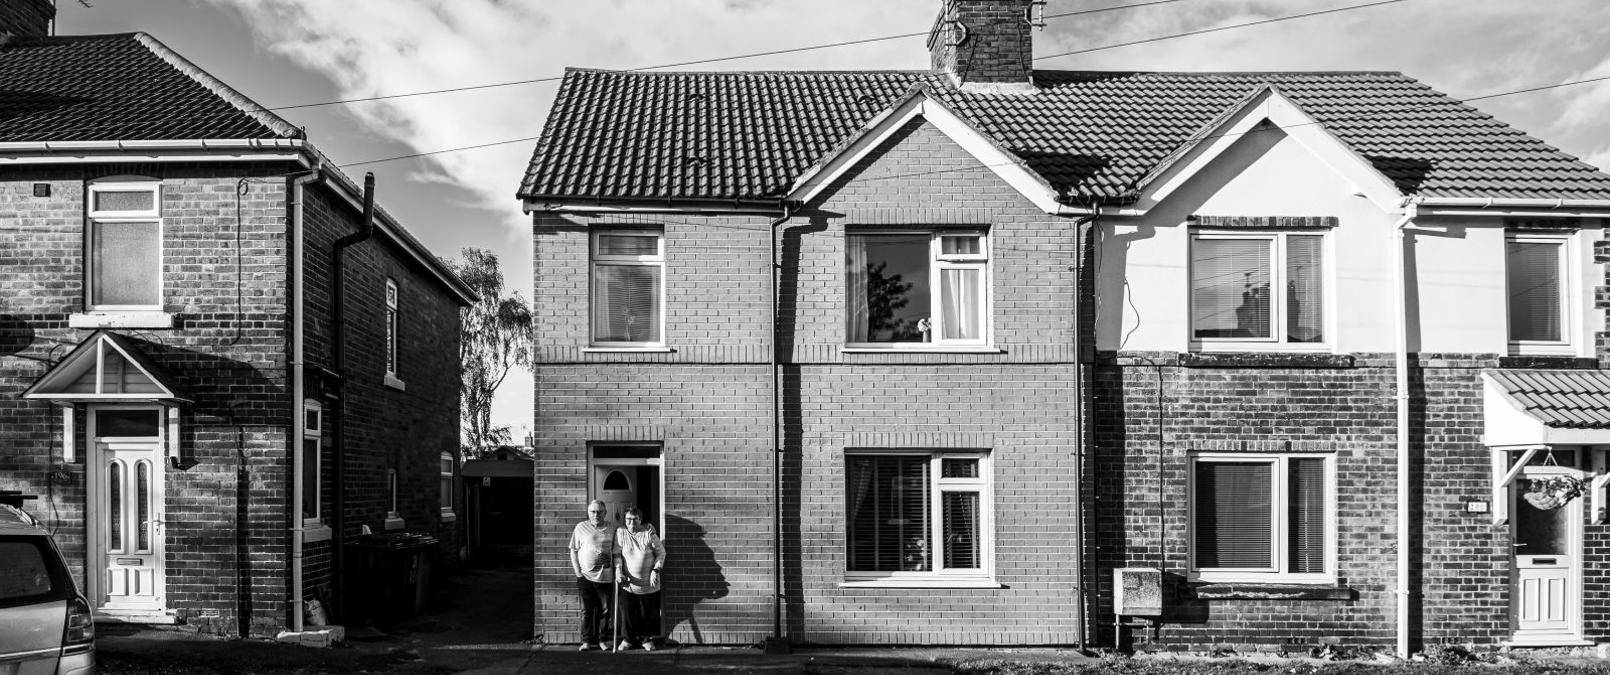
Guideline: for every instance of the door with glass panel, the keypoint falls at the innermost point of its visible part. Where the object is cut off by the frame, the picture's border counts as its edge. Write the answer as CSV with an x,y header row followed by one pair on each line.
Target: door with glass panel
x,y
1546,596
126,510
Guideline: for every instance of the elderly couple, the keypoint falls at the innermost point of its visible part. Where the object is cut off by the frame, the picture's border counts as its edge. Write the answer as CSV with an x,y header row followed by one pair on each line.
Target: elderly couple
x,y
601,554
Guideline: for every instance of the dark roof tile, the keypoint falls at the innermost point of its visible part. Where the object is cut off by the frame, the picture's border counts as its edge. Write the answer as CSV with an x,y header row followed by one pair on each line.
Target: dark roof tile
x,y
1089,134
125,87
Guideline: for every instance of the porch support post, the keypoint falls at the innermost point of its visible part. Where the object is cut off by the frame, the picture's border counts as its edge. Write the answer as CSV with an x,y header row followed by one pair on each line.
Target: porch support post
x,y
68,436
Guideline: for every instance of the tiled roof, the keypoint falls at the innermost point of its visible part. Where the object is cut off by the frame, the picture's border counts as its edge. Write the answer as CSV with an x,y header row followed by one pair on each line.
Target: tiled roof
x,y
1571,399
118,87
748,135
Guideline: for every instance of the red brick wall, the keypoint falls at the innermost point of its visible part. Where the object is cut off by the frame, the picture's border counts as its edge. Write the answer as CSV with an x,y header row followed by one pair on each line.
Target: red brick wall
x,y
224,527
227,505
382,427
997,47
707,403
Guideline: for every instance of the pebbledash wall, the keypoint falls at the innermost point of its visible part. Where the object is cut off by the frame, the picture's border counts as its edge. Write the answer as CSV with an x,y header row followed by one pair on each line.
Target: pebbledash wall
x,y
707,402
227,500
1158,398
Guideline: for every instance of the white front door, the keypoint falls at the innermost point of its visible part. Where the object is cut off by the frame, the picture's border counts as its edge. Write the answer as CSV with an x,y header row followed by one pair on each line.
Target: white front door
x,y
1547,590
126,489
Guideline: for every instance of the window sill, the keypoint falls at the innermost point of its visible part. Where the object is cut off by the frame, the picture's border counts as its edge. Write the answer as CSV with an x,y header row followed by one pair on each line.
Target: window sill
x,y
315,532
1268,591
1549,362
394,522
921,349
394,383
121,319
627,350
1265,360
920,583
449,516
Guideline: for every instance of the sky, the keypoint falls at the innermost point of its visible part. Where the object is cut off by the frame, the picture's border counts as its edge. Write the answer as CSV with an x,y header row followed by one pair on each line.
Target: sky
x,y
296,52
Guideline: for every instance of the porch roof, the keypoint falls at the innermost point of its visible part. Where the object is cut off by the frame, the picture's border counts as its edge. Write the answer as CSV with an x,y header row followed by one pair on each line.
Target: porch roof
x,y
107,368
1539,407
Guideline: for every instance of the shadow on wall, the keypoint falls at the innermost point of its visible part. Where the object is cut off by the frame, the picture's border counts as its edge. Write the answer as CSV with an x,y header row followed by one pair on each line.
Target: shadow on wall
x,y
692,576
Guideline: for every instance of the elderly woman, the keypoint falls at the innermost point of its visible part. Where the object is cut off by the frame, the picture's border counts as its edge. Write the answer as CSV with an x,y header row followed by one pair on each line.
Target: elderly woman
x,y
640,559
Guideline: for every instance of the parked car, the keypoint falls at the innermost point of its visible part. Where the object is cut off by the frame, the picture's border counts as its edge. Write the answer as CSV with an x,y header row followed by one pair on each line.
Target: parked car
x,y
45,622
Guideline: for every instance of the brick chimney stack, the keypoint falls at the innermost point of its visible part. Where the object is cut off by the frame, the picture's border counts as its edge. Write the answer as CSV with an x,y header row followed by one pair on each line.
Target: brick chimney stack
x,y
986,43
26,17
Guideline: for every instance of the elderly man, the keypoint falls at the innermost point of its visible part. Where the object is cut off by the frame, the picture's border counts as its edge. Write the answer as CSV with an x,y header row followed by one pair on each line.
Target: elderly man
x,y
592,556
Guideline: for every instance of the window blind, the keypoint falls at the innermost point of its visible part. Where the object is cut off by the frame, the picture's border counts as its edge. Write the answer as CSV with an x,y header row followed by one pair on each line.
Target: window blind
x,y
626,303
1233,518
960,527
1230,288
888,513
1305,299
1534,291
1305,483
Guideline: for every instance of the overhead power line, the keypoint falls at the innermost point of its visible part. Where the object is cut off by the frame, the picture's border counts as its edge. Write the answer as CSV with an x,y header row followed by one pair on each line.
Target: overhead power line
x,y
1220,28
696,62
1092,49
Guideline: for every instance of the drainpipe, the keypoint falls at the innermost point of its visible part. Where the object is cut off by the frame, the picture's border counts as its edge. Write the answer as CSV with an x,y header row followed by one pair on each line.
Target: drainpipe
x,y
338,359
293,209
776,644
1401,318
1080,428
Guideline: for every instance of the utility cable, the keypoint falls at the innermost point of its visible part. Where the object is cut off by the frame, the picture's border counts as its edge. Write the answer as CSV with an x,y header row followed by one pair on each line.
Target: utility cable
x,y
696,62
1083,51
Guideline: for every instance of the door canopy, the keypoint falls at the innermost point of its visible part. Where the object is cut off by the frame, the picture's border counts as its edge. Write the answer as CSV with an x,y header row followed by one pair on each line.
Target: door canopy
x,y
107,368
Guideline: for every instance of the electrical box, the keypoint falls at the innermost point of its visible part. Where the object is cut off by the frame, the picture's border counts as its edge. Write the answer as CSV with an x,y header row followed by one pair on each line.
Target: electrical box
x,y
1137,591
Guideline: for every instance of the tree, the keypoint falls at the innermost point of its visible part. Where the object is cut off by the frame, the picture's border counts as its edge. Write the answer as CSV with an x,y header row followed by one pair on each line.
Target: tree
x,y
495,338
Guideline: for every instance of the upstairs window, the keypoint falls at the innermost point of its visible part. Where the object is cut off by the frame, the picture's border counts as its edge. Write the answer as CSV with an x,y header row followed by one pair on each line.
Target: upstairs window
x,y
1539,299
1252,289
917,289
391,328
1262,517
628,288
123,247
445,485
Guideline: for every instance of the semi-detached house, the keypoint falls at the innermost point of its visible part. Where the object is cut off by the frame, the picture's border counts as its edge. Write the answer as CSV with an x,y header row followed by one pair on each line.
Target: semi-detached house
x,y
213,375
935,357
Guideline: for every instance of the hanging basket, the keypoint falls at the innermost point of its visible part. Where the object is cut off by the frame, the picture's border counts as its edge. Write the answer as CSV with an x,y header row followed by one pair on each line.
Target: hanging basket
x,y
1551,493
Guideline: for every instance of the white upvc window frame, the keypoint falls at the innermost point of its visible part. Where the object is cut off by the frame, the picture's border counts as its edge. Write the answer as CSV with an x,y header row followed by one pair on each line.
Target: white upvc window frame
x,y
940,576
1568,294
391,328
1279,540
938,262
98,218
313,430
447,468
595,259
1277,341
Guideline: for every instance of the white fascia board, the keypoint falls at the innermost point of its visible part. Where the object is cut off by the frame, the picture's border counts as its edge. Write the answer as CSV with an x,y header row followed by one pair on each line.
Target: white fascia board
x,y
606,207
1363,178
1005,165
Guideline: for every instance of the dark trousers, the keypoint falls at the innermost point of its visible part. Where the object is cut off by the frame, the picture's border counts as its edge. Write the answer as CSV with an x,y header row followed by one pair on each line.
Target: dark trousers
x,y
642,616
595,600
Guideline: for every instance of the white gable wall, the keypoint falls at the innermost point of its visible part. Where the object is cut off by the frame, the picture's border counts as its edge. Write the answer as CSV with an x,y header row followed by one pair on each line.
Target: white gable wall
x,y
1458,303
1266,173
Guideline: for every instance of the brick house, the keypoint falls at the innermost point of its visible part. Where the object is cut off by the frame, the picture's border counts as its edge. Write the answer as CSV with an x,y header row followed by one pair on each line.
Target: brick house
x,y
1022,334
202,413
